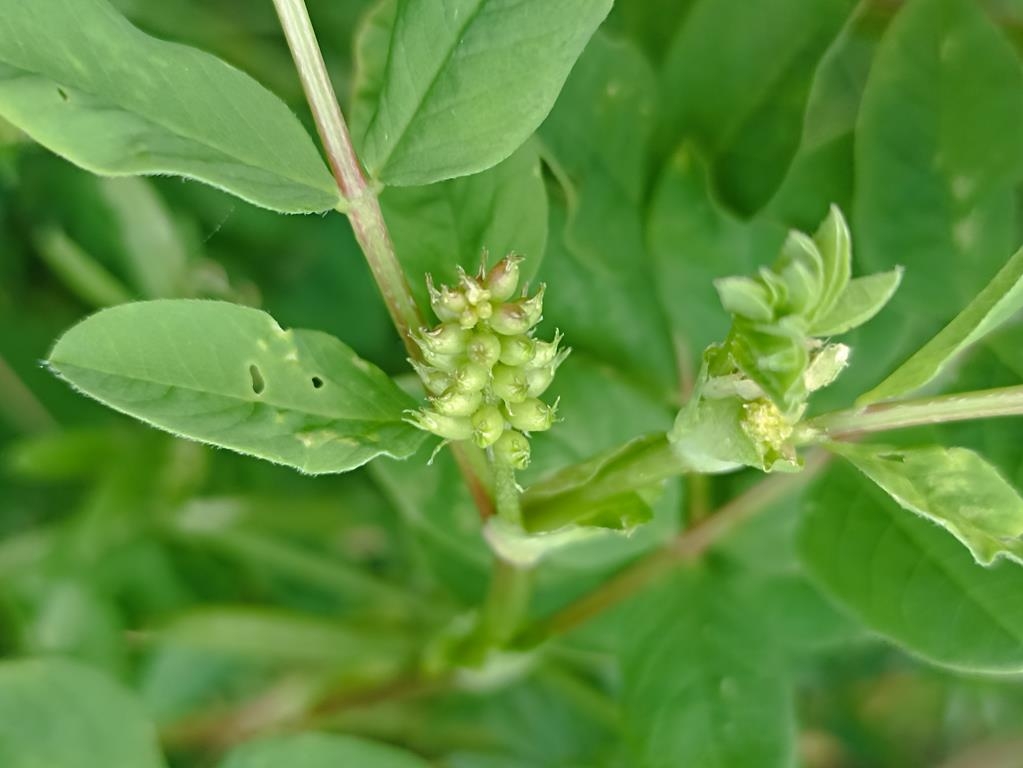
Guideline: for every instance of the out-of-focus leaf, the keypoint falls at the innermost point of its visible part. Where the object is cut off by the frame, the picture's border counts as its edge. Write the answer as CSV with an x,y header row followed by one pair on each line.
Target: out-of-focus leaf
x,y
462,85
156,256
229,375
62,715
82,81
994,305
953,487
937,155
319,750
747,116
82,274
595,141
703,685
909,580
453,223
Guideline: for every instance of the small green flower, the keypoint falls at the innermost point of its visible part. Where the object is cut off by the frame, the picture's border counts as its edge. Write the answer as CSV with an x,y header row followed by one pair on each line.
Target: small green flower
x,y
482,367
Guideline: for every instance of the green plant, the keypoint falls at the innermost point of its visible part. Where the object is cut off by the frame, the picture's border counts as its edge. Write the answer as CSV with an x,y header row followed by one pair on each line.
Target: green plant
x,y
565,548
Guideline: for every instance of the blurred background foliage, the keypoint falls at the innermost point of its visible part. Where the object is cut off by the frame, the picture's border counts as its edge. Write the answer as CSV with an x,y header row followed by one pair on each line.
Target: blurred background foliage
x,y
237,598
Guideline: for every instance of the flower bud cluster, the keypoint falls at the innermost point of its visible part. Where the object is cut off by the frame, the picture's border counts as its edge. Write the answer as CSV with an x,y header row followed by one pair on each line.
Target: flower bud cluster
x,y
482,367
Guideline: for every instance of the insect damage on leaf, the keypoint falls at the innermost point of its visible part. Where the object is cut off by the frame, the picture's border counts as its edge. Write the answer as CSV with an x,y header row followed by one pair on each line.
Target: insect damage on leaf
x,y
482,366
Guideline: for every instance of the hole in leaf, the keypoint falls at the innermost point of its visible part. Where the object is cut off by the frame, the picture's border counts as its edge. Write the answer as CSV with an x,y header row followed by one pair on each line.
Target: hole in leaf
x,y
317,382
62,93
258,383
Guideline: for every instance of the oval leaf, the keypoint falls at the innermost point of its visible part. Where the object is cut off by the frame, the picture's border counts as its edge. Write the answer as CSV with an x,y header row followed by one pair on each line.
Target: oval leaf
x,y
860,300
1000,300
58,714
909,580
230,376
320,750
953,487
83,82
465,83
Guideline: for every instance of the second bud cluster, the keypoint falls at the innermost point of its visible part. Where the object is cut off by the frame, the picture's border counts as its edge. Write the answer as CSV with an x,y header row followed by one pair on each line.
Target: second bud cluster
x,y
482,367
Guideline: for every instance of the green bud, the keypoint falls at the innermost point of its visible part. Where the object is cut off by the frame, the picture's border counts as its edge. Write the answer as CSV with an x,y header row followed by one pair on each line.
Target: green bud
x,y
483,349
470,377
510,319
472,288
517,350
447,304
534,306
503,278
446,363
510,383
530,415
538,379
435,381
446,339
487,425
512,448
546,352
455,403
448,427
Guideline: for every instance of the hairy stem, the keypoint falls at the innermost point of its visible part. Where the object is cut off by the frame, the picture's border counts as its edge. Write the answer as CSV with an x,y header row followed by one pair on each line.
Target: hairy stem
x,y
360,202
985,404
687,546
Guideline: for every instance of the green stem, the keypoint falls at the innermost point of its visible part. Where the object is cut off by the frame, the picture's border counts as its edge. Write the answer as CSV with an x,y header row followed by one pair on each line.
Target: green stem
x,y
360,201
985,404
687,546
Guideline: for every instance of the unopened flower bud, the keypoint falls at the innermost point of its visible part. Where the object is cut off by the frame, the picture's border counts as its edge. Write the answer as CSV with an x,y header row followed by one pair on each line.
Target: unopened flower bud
x,y
510,383
517,350
534,306
455,403
503,278
448,427
441,362
530,415
470,377
435,381
512,448
488,425
547,351
510,319
538,379
447,304
446,339
473,290
484,310
483,349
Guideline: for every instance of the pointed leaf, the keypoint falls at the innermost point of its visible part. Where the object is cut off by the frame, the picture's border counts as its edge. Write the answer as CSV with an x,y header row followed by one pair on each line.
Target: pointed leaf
x,y
1000,300
953,487
909,580
230,376
83,82
59,714
862,298
466,82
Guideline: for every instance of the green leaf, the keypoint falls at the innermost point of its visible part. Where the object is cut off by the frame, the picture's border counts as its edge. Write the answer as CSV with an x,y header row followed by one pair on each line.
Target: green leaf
x,y
230,376
693,243
998,302
937,154
319,750
465,83
703,684
83,82
595,143
62,715
155,255
439,227
953,487
909,580
747,117
862,298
